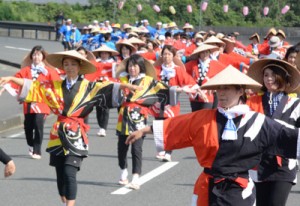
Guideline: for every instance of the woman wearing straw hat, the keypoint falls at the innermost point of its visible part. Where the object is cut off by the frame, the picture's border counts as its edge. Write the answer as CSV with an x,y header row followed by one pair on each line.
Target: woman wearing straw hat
x,y
228,141
275,175
133,113
125,49
225,58
253,48
105,64
171,71
71,100
34,67
202,68
292,56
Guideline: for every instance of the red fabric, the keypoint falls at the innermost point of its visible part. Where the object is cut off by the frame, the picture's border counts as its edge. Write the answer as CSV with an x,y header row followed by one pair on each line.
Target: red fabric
x,y
35,107
240,45
214,68
73,122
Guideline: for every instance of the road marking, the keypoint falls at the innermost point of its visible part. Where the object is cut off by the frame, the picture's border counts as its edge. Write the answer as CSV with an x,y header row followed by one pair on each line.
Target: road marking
x,y
16,135
147,177
18,48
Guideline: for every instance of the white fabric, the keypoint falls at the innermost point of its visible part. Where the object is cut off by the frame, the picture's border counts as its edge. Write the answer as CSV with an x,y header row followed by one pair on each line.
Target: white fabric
x,y
37,69
168,72
230,130
139,76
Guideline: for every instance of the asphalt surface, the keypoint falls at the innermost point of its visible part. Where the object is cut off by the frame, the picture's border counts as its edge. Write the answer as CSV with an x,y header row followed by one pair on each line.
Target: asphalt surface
x,y
34,183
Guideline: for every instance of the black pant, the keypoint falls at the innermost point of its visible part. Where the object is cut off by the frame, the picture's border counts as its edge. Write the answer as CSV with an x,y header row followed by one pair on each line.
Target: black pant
x,y
102,117
136,152
66,168
272,193
34,130
204,105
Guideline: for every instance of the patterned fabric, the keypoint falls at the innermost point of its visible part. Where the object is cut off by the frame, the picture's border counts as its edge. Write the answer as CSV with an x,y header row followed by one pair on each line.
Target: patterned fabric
x,y
134,111
286,113
68,135
201,130
230,130
274,100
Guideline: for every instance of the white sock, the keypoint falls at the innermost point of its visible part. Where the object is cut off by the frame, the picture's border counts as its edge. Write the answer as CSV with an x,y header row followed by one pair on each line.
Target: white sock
x,y
124,174
135,178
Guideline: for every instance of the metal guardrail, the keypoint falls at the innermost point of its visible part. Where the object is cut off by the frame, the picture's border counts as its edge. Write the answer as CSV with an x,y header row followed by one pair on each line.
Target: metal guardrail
x,y
11,25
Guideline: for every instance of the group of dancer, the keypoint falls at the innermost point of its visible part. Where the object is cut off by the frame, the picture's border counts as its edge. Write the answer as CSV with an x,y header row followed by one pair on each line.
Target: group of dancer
x,y
243,124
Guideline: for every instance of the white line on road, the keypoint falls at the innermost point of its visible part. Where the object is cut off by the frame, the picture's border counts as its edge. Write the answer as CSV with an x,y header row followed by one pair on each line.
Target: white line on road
x,y
19,48
16,135
147,177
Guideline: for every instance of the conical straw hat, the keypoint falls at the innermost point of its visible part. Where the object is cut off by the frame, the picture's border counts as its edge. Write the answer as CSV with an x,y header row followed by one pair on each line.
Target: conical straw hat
x,y
56,60
231,76
202,48
105,48
256,71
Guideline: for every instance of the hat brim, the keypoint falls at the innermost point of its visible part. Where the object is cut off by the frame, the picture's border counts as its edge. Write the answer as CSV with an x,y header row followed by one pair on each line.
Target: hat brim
x,y
256,71
231,76
202,48
119,44
27,61
150,70
229,45
105,49
56,60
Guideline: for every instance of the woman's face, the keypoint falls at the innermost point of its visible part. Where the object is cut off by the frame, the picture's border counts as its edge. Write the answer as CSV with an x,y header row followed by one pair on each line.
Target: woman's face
x,y
292,58
125,51
82,52
37,57
104,55
229,96
133,69
204,55
167,57
71,67
269,80
150,46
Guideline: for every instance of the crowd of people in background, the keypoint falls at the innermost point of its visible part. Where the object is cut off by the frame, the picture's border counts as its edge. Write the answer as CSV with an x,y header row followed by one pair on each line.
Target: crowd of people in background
x,y
158,63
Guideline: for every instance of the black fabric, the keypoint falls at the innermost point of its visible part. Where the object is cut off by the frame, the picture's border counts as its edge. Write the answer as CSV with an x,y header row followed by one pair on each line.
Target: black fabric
x,y
34,130
272,193
102,115
66,181
195,106
136,152
4,158
228,193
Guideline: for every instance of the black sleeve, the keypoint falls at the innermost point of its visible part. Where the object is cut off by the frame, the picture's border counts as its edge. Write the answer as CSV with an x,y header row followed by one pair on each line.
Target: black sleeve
x,y
282,139
4,158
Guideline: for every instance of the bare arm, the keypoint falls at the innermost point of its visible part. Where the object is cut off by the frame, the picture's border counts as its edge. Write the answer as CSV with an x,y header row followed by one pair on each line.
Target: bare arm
x,y
138,134
5,80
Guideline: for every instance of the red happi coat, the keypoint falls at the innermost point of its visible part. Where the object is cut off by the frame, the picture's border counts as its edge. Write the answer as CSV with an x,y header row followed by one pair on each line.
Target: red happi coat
x,y
214,68
35,107
182,78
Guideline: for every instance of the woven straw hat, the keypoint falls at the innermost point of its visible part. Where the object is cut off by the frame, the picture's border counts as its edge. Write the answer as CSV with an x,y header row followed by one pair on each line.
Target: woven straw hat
x,y
134,40
27,61
230,44
56,60
271,31
231,76
105,48
150,70
256,71
202,48
125,42
214,40
255,35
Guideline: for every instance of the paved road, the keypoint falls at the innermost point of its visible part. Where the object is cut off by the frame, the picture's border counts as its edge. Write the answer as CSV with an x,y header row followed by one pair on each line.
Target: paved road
x,y
34,182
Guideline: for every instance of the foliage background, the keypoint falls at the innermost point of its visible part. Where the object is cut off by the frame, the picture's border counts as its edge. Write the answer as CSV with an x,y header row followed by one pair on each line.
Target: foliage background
x,y
108,9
